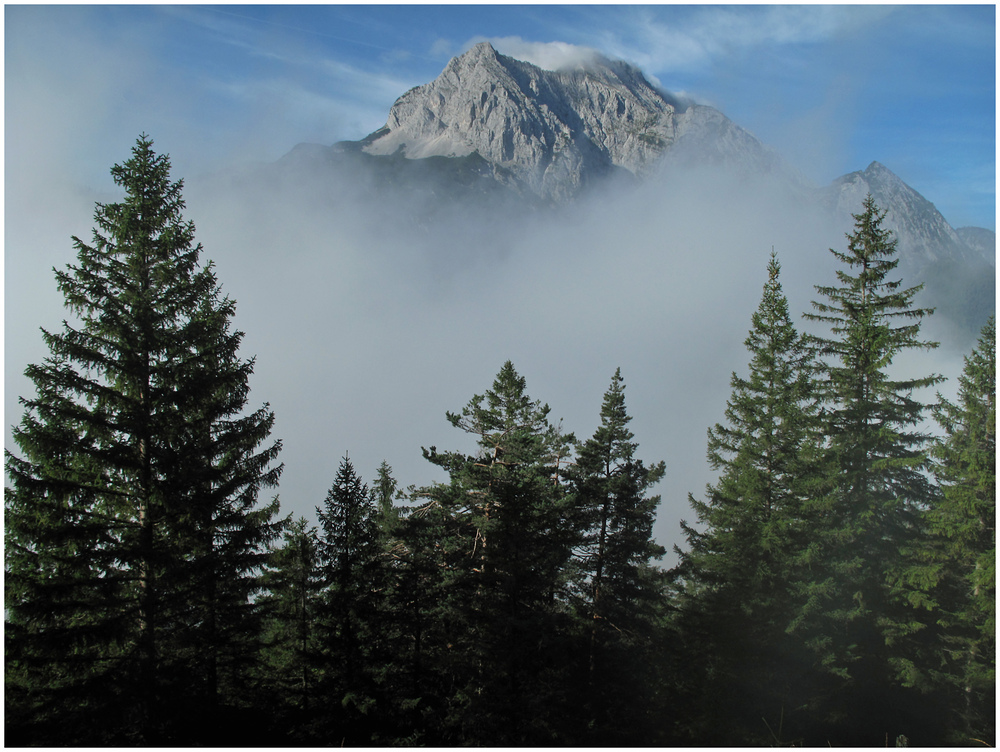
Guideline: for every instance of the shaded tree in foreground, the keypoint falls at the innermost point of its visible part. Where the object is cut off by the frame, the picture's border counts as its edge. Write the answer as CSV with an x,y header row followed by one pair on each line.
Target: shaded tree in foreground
x,y
290,652
352,613
734,594
133,536
955,575
501,550
859,627
620,590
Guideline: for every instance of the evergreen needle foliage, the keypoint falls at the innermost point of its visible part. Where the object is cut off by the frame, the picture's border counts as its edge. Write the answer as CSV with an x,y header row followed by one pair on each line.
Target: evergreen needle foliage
x,y
954,577
503,544
133,536
734,581
619,591
291,647
852,616
351,615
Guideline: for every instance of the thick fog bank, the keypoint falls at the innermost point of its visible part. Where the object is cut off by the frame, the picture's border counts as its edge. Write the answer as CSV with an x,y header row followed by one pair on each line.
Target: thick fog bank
x,y
372,311
370,316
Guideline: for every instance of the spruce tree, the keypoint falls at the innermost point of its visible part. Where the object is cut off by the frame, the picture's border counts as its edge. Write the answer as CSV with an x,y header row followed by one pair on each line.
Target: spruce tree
x,y
736,578
385,492
351,614
504,543
424,626
851,617
955,574
133,536
621,589
290,654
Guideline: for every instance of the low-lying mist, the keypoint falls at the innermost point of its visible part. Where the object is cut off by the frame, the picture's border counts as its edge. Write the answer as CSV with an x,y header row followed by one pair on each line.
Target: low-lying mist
x,y
373,312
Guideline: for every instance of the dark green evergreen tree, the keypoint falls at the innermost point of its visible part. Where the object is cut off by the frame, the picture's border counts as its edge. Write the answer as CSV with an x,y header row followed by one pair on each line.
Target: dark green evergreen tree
x,y
424,628
955,574
291,650
859,628
351,616
386,492
133,536
736,578
621,590
501,556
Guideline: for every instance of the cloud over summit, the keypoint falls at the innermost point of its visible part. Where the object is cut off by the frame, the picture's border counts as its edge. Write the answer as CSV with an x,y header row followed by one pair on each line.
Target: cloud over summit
x,y
553,56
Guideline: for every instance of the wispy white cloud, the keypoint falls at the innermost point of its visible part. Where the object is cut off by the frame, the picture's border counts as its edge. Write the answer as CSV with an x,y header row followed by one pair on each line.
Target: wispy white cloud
x,y
547,55
307,93
443,48
367,84
270,38
694,40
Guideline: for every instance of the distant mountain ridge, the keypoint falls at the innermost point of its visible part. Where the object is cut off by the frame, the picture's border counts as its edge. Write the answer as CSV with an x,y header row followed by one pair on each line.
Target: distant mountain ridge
x,y
980,240
506,139
956,267
918,226
491,119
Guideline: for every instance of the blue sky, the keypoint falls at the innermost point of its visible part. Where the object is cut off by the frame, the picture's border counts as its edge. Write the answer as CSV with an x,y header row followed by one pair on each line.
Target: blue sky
x,y
833,87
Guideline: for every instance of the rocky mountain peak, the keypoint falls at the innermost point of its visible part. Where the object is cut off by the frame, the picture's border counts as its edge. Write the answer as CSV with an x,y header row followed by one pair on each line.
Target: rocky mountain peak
x,y
878,171
917,224
549,131
877,174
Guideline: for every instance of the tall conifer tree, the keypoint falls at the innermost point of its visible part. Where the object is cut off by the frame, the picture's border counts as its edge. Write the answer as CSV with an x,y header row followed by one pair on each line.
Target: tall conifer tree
x,y
955,574
737,575
290,654
851,616
351,619
386,492
133,536
621,588
505,540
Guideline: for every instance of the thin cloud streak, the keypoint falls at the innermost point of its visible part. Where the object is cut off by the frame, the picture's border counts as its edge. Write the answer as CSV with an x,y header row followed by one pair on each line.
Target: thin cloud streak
x,y
707,33
248,32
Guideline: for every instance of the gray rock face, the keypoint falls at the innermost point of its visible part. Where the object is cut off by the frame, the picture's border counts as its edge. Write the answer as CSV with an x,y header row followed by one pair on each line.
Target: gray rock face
x,y
550,132
924,236
703,135
490,121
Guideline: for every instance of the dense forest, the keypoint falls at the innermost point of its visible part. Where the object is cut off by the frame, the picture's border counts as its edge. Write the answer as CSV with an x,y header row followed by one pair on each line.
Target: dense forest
x,y
837,585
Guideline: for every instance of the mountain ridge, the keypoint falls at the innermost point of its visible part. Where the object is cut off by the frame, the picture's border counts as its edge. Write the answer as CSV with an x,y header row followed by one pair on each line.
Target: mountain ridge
x,y
916,222
511,139
550,133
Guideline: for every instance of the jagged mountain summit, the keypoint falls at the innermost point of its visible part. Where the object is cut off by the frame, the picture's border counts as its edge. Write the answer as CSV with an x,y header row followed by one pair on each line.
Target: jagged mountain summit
x,y
956,267
918,226
552,133
549,130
